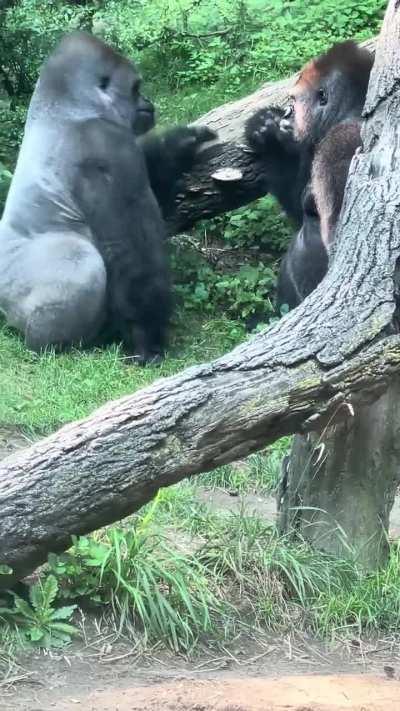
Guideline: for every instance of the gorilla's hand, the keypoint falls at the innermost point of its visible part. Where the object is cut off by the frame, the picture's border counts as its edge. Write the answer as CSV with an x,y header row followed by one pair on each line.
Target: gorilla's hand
x,y
169,154
181,144
270,129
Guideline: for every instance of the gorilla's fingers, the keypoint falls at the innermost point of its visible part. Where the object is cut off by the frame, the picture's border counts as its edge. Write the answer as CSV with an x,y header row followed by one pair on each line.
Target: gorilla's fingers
x,y
204,134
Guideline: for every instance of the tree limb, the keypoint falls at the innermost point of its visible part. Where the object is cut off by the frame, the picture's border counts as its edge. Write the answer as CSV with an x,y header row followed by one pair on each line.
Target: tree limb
x,y
101,469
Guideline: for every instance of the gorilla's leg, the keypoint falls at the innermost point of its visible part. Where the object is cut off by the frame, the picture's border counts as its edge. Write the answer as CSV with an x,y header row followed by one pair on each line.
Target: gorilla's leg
x,y
139,310
58,293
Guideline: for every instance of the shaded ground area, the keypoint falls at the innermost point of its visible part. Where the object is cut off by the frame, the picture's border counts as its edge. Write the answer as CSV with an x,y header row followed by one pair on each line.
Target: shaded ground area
x,y
265,506
102,673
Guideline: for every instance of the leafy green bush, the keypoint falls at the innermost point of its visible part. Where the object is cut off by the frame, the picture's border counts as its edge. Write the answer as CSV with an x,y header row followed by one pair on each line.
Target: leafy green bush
x,y
260,226
40,623
230,263
217,40
241,294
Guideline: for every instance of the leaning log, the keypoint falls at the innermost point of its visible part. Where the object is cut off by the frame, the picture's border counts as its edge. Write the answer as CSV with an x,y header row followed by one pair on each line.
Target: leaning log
x,y
98,470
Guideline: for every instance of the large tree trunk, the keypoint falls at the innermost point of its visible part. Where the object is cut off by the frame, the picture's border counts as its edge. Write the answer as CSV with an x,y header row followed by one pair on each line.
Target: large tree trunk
x,y
333,354
339,485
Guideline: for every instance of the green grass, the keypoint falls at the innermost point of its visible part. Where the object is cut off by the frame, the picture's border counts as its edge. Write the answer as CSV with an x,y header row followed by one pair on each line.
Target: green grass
x,y
153,589
259,473
160,578
370,604
42,392
192,102
178,571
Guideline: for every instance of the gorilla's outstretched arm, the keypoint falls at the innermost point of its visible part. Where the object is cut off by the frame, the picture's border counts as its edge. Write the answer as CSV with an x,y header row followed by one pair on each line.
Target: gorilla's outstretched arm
x,y
169,154
269,133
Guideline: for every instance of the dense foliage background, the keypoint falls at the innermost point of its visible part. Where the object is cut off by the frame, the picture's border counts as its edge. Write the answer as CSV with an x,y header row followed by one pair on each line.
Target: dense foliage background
x,y
195,55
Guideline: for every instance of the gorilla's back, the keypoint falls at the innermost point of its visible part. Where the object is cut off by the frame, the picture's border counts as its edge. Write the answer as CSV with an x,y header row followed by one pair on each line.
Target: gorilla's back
x,y
40,195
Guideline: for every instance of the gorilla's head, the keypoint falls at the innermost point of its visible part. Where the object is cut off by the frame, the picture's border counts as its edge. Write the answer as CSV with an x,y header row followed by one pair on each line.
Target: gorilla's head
x,y
83,77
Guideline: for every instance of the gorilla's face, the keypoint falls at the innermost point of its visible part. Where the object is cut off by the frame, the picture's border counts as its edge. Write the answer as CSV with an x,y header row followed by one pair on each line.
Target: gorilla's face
x,y
87,78
144,117
118,92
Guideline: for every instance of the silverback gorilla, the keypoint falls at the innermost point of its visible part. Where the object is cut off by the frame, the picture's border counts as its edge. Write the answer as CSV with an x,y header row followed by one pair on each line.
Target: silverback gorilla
x,y
82,239
309,149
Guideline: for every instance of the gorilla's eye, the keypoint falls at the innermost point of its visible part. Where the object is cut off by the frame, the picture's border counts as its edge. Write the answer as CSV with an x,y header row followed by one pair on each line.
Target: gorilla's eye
x,y
322,97
104,82
289,111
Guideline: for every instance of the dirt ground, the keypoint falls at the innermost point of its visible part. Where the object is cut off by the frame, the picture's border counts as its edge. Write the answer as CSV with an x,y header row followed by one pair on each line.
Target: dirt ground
x,y
101,674
104,673
302,693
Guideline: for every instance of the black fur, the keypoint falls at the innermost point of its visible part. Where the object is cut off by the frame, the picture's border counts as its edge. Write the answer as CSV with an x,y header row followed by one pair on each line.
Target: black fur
x,y
169,155
269,132
306,261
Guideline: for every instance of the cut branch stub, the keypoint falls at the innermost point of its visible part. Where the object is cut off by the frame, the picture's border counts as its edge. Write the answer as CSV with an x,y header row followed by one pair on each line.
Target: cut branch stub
x,y
227,175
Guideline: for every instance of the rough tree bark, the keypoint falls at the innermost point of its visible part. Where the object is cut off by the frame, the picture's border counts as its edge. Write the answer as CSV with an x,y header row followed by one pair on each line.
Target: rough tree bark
x,y
336,352
338,486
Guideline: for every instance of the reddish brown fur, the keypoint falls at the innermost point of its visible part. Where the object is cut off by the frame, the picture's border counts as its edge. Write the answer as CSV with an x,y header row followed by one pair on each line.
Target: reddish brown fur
x,y
329,174
346,57
308,79
354,62
328,101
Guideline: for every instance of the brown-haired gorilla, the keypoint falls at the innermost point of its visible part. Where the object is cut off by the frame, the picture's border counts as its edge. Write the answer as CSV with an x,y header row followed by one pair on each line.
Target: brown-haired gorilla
x,y
82,238
308,149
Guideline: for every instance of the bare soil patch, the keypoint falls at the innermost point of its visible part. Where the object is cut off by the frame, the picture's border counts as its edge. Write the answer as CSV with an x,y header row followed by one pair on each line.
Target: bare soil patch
x,y
295,693
102,673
